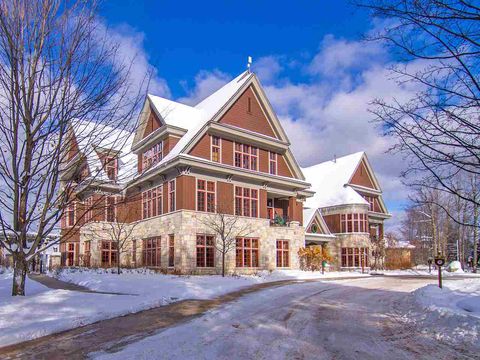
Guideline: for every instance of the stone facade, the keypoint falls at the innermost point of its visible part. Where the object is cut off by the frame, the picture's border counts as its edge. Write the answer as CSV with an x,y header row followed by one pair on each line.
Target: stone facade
x,y
184,225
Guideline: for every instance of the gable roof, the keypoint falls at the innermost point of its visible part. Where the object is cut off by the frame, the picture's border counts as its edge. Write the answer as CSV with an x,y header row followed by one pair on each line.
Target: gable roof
x,y
330,181
309,215
195,119
93,137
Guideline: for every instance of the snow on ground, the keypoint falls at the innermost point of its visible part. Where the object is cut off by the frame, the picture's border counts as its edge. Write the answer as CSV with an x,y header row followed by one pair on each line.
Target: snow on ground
x,y
45,311
451,313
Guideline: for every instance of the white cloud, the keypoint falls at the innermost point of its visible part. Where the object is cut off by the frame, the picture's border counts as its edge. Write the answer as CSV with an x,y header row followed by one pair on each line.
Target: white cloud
x,y
132,53
267,68
327,114
206,82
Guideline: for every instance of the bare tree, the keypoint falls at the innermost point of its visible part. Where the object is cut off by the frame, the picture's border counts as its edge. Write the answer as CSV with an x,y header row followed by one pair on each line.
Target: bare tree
x,y
437,43
227,228
63,85
116,229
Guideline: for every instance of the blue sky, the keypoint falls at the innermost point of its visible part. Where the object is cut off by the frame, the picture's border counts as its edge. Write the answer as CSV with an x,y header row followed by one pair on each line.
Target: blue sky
x,y
319,74
183,38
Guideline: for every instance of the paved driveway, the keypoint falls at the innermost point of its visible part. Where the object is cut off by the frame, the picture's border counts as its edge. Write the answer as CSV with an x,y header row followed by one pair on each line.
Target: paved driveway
x,y
359,319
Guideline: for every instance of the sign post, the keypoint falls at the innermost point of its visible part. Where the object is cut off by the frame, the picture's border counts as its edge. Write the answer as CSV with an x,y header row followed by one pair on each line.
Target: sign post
x,y
430,261
439,261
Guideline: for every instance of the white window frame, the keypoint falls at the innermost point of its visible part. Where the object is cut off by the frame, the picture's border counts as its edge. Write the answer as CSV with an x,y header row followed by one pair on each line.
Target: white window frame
x,y
270,162
115,202
219,147
206,192
169,192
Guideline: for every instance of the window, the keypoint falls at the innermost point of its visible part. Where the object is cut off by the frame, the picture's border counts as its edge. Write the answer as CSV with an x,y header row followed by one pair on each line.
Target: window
x,y
246,252
246,202
205,251
71,254
282,253
272,163
354,223
152,156
109,253
205,195
152,202
151,252
110,208
110,164
70,215
134,253
171,250
246,156
89,209
215,149
371,202
87,253
355,257
314,228
171,195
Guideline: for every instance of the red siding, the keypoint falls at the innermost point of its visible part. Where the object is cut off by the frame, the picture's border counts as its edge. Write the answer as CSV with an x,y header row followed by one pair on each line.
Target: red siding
x,y
361,177
255,120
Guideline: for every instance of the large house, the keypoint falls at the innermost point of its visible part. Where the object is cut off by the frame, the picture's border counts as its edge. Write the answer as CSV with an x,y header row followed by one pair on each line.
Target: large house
x,y
160,187
347,211
228,154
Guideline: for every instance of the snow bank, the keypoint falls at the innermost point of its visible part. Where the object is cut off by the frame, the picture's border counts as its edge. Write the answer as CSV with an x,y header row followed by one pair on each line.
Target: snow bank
x,y
451,313
45,311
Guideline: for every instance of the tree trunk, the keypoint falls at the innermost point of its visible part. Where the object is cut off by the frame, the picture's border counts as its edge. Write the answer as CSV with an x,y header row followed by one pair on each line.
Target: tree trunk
x,y
223,263
475,237
118,259
19,274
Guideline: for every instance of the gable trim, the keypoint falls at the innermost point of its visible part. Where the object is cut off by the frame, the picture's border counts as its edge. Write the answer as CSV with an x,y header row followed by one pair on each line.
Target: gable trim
x,y
370,173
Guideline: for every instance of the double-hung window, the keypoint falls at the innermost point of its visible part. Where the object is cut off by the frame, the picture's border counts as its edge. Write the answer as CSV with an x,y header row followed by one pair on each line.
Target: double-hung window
x,y
152,155
171,195
110,164
272,163
246,202
246,156
151,252
152,202
205,251
110,208
246,252
283,253
70,215
205,195
109,253
353,223
216,150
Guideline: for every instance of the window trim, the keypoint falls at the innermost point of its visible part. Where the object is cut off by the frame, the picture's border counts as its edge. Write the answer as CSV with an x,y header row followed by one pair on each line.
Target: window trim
x,y
206,192
219,146
204,246
282,251
73,207
250,249
354,221
155,202
249,154
242,201
156,250
270,161
155,157
170,192
115,202
111,249
354,253
171,250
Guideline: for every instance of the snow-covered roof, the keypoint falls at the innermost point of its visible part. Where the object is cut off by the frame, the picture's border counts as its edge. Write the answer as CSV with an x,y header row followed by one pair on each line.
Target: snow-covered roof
x,y
330,182
94,137
309,214
201,113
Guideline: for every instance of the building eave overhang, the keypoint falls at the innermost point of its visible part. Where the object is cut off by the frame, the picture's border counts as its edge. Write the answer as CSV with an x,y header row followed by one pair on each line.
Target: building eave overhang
x,y
319,237
377,215
364,189
300,186
156,136
250,137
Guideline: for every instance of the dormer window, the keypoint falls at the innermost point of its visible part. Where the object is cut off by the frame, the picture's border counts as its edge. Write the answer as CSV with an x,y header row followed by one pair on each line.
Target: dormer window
x,y
110,164
152,156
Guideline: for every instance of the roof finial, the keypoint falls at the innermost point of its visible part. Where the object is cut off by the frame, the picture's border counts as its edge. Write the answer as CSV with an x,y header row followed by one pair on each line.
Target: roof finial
x,y
249,63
